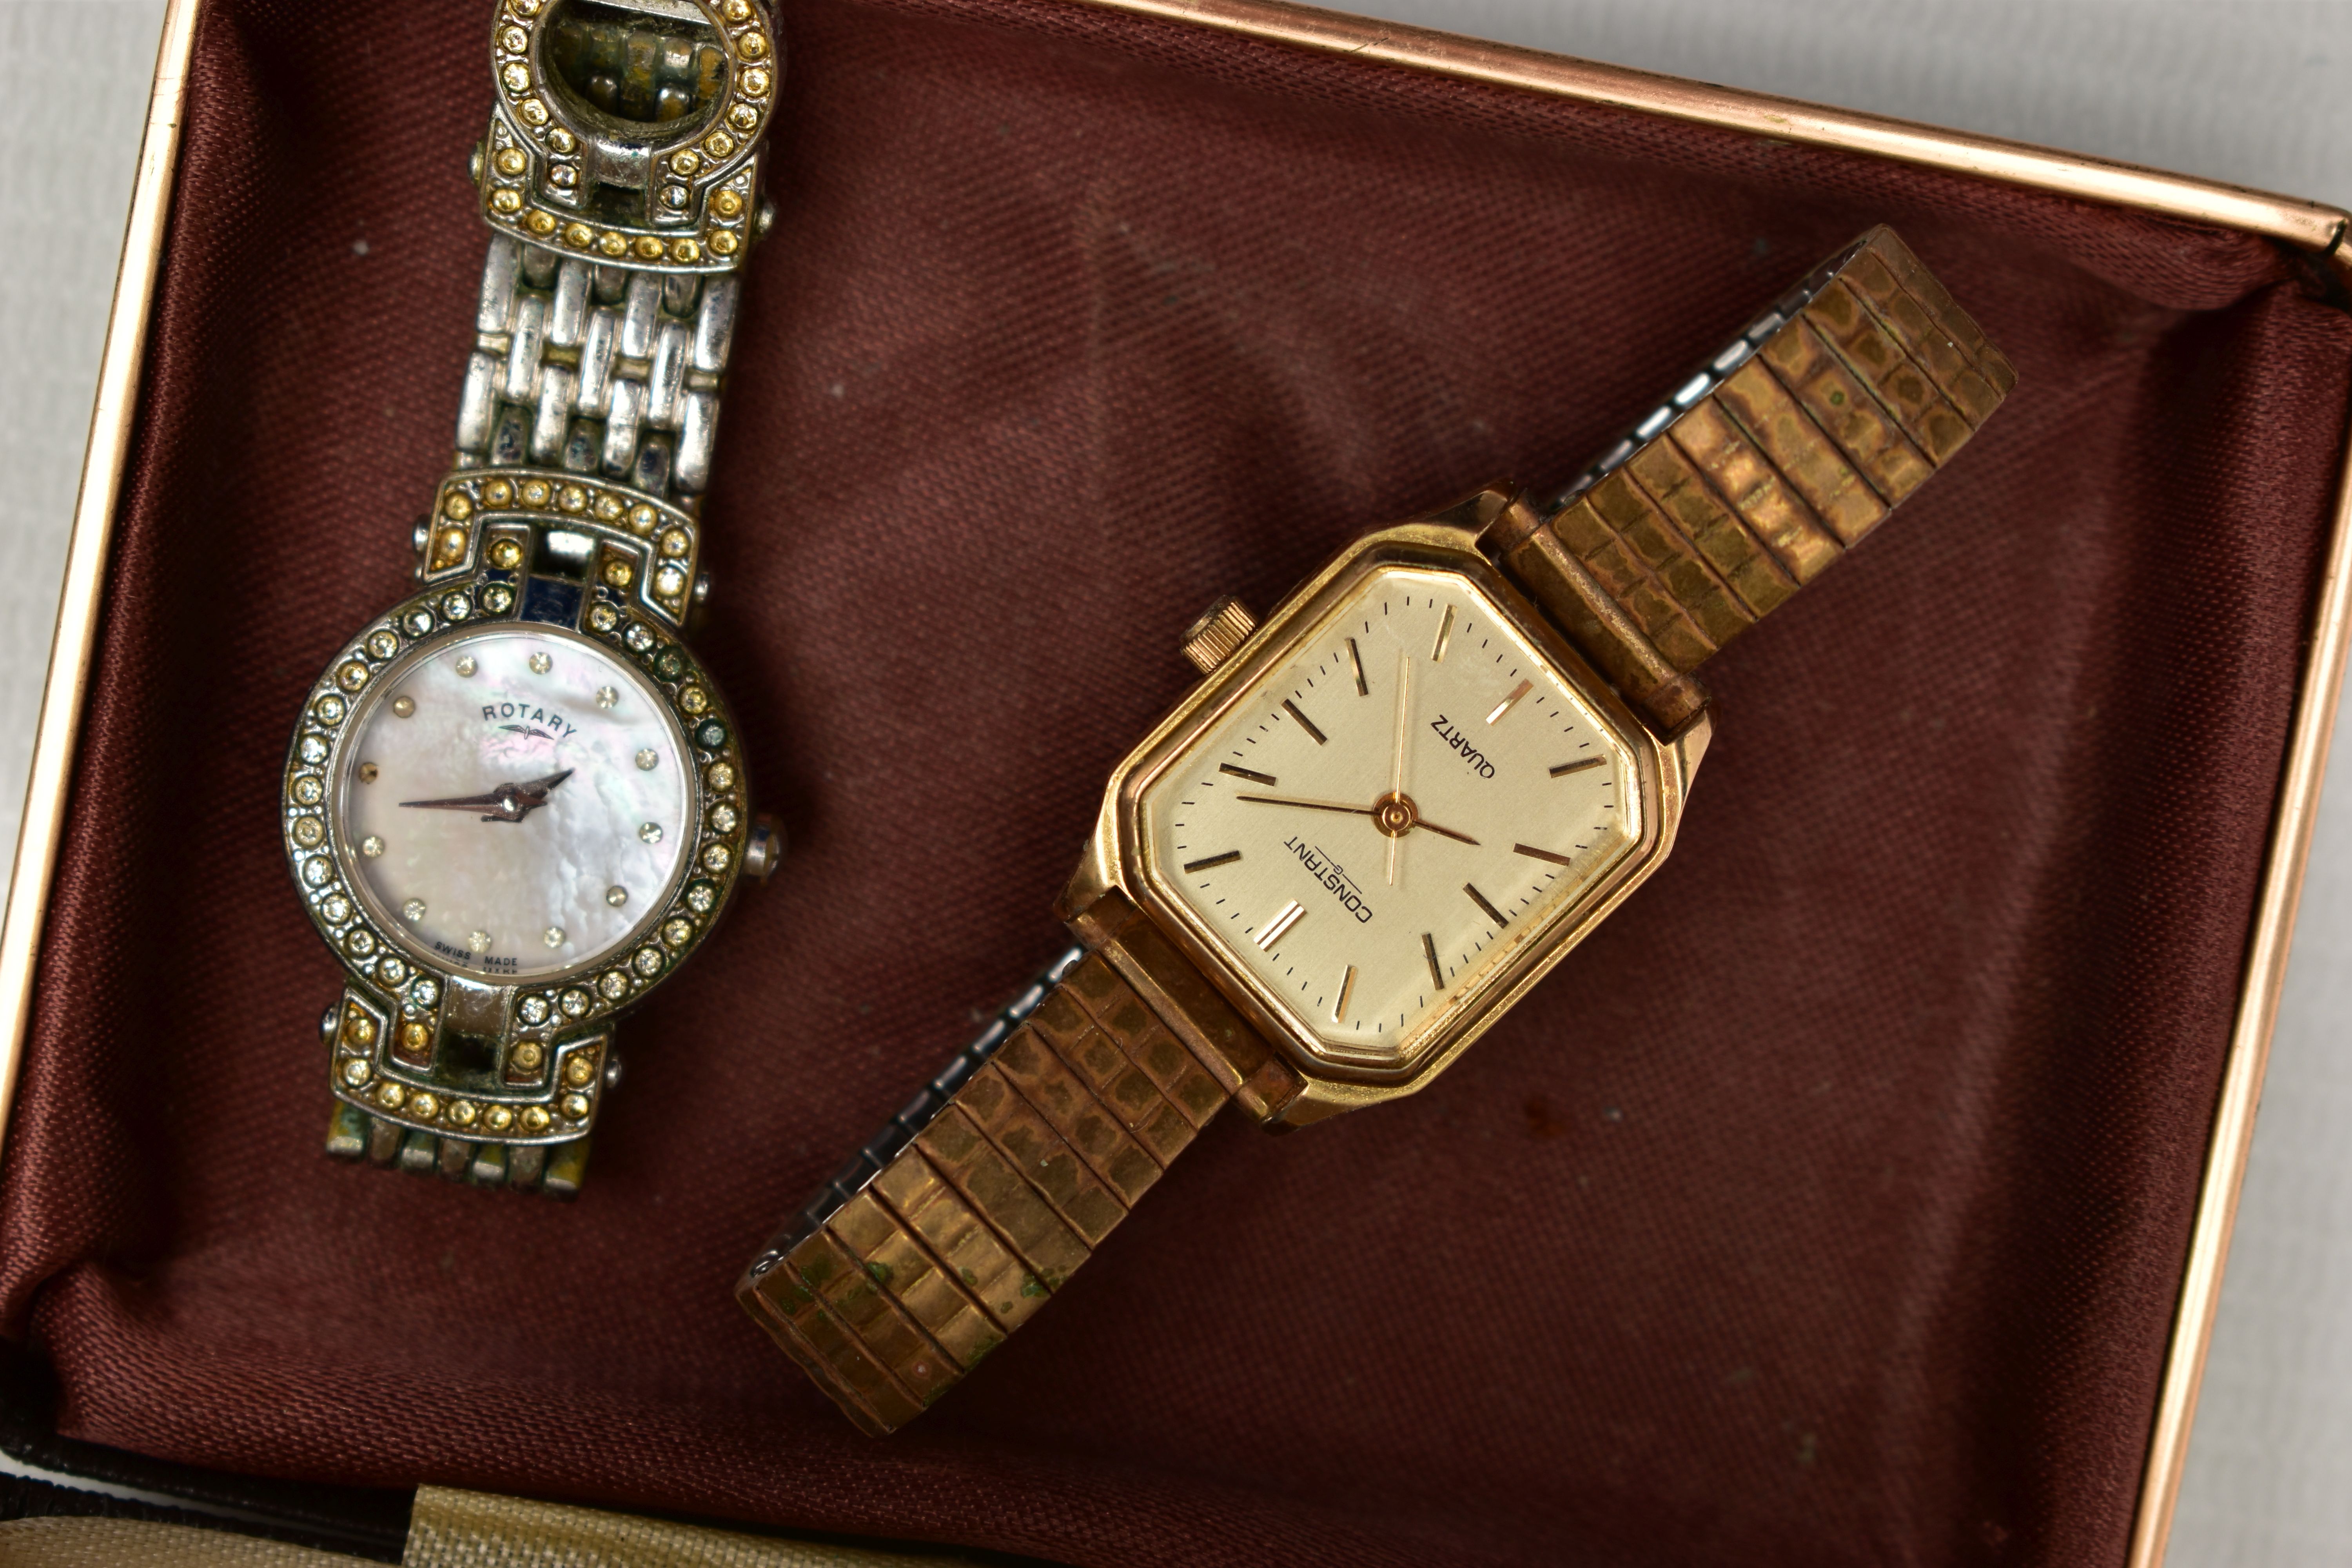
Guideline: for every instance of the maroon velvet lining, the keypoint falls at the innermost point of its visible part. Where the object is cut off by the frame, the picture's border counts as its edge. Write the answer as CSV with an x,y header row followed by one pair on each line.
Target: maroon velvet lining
x,y
1828,1206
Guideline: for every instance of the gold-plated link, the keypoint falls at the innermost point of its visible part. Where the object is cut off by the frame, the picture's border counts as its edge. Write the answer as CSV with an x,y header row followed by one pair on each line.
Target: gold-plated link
x,y
1783,466
1016,1210
1038,1151
1055,1088
932,1295
962,1241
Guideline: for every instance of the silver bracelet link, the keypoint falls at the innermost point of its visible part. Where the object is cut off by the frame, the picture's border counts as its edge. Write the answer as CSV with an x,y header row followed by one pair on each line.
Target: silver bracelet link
x,y
596,369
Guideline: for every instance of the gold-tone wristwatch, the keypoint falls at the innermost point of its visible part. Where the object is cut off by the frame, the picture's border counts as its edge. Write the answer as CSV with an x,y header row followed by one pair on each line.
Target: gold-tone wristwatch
x,y
514,804
1383,815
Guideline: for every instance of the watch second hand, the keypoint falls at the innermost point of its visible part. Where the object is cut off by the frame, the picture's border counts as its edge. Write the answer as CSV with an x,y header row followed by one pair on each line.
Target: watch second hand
x,y
1310,804
1418,821
1396,754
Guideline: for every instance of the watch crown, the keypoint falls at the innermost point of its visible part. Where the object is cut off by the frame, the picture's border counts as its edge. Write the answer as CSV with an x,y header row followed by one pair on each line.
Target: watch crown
x,y
1223,628
765,850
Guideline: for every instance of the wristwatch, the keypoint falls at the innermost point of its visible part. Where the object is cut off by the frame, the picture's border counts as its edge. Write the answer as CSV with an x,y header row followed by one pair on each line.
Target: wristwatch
x,y
1382,815
515,803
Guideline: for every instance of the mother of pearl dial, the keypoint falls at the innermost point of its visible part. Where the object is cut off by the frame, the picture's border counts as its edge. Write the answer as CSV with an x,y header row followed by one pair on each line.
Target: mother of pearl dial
x,y
510,706
1506,795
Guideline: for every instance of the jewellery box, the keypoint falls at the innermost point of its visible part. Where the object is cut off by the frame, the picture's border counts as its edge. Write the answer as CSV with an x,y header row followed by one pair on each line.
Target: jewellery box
x,y
1858,1194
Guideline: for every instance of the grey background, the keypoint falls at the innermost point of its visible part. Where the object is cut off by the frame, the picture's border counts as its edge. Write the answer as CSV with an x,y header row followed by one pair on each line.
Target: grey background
x,y
2252,93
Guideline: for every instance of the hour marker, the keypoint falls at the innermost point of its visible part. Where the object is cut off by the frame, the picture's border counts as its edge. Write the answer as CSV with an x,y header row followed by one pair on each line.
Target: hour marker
x,y
1577,767
650,832
1479,899
540,664
1247,774
1540,855
404,707
414,910
1292,912
607,697
648,759
368,771
1356,663
616,895
1346,987
1304,721
477,941
1521,690
1227,858
465,665
552,936
1445,635
1429,952
370,846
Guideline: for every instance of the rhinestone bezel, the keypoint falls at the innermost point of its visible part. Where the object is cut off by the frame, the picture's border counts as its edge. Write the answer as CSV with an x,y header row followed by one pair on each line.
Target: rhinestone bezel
x,y
387,979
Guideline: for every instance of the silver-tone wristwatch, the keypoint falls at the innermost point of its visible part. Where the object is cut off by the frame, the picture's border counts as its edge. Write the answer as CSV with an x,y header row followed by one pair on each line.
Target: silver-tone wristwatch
x,y
515,803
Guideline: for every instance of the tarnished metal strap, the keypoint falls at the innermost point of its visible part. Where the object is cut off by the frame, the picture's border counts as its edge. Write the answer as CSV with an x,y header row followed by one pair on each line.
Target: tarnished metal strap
x,y
980,1198
1758,472
596,369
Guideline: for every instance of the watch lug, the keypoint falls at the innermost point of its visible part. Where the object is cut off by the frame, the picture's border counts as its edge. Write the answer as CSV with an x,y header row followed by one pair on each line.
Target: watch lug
x,y
1477,509
472,1007
1312,1106
1098,871
1690,743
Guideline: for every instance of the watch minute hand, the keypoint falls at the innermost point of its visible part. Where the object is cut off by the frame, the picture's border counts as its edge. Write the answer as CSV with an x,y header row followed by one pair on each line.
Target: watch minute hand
x,y
493,801
506,803
529,797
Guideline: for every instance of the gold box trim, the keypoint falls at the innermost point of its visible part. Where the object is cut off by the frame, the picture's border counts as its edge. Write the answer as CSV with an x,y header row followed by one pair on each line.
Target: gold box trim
x,y
2316,230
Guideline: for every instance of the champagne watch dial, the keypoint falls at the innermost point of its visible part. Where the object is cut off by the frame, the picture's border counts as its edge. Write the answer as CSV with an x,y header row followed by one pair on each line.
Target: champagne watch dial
x,y
514,803
1374,830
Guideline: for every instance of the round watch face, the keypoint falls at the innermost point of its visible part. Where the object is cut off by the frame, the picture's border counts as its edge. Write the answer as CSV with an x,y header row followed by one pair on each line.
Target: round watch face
x,y
514,803
1378,826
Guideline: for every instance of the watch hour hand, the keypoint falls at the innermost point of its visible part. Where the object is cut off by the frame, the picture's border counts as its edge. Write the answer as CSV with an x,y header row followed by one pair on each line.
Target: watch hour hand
x,y
538,790
506,803
1396,814
529,797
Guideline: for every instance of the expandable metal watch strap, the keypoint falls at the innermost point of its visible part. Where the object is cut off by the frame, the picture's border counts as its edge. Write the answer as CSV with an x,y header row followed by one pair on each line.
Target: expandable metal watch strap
x,y
977,1202
1757,473
900,1130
